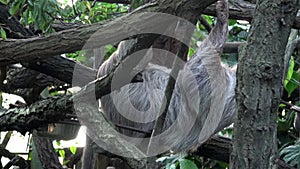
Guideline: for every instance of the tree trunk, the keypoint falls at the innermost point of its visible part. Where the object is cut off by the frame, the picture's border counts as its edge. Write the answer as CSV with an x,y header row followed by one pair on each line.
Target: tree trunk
x,y
259,85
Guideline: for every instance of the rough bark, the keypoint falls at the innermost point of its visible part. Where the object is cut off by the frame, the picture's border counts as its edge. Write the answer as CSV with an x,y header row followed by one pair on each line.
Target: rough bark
x,y
242,10
21,78
46,153
62,69
73,39
55,108
15,30
36,115
58,67
14,159
22,50
260,74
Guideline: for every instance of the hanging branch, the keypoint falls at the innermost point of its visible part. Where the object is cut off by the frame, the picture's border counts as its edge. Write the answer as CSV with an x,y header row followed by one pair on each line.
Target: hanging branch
x,y
177,66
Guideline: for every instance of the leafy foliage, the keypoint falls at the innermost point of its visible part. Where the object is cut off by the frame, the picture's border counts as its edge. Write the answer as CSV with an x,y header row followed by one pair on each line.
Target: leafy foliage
x,y
187,164
291,154
42,13
73,149
2,33
292,78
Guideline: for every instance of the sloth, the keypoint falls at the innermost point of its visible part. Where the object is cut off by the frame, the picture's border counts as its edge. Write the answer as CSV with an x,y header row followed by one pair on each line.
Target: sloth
x,y
202,103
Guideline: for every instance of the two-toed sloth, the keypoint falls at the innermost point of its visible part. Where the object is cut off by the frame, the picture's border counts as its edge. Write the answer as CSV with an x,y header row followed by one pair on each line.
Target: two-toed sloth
x,y
203,100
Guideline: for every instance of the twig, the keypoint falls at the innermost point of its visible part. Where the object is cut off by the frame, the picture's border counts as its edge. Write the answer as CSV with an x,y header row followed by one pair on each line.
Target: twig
x,y
6,139
206,25
291,106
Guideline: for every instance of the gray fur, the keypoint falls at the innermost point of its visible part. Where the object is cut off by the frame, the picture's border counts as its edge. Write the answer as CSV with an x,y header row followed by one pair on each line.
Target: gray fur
x,y
204,92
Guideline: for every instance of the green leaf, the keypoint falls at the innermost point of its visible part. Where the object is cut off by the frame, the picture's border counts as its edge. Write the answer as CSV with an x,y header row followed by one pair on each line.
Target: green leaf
x,y
66,162
58,142
282,105
30,155
292,83
62,153
292,78
4,2
191,52
73,149
26,16
15,7
232,22
187,164
88,5
81,7
290,71
209,19
30,2
2,33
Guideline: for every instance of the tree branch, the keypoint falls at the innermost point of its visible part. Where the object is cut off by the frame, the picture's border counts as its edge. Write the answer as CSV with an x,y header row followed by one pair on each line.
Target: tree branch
x,y
62,69
232,47
15,28
219,148
14,50
71,40
14,160
242,10
177,66
59,67
36,115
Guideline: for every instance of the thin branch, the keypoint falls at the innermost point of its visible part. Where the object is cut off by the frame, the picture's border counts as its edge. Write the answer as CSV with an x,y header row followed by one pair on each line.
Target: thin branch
x,y
177,66
232,47
291,106
14,160
6,139
206,25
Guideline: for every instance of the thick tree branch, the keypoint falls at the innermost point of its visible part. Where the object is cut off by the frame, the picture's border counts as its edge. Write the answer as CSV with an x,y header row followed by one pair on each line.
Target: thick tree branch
x,y
15,50
242,10
219,148
62,69
36,115
59,67
216,148
74,39
21,78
